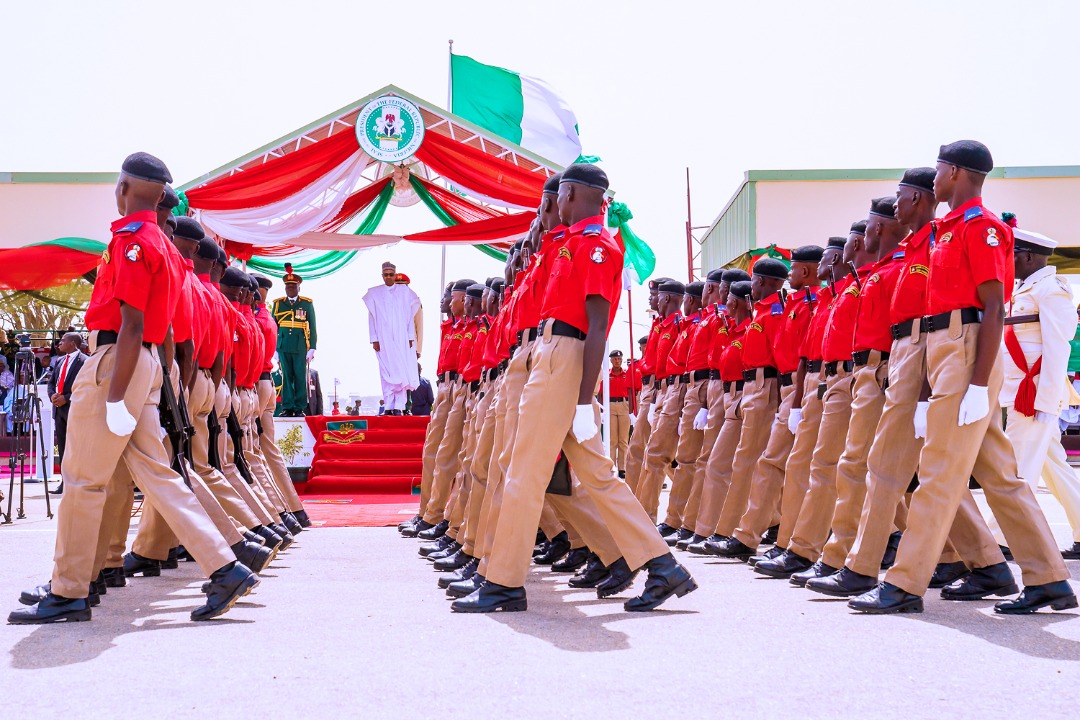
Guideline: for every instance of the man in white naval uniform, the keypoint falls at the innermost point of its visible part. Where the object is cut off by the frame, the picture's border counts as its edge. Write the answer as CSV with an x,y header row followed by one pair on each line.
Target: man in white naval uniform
x,y
1042,321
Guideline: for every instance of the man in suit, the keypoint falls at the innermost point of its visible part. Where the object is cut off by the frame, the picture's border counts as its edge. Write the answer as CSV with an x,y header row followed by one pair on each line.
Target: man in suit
x,y
65,368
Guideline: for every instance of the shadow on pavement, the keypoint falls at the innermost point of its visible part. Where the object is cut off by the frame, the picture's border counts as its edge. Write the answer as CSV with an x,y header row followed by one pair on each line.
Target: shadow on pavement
x,y
1027,634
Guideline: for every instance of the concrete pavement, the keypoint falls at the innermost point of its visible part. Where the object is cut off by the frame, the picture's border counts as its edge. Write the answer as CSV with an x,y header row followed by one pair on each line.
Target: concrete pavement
x,y
351,624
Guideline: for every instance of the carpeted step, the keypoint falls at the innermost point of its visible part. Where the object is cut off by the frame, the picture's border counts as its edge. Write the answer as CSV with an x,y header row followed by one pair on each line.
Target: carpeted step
x,y
365,451
414,436
360,468
352,484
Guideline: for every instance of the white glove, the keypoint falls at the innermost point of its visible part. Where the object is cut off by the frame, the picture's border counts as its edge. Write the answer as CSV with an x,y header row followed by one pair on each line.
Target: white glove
x,y
702,419
633,420
920,418
652,414
119,420
793,419
1045,417
584,424
310,354
975,405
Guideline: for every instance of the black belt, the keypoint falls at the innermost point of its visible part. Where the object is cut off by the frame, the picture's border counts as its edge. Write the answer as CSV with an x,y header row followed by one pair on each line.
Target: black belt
x,y
738,385
813,366
108,337
617,399
503,364
699,375
863,357
785,380
441,377
558,327
684,378
833,367
265,376
646,379
493,373
714,374
474,385
930,323
766,372
526,335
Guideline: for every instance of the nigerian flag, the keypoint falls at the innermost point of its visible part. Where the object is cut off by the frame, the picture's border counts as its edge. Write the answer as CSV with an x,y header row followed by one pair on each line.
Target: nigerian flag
x,y
517,107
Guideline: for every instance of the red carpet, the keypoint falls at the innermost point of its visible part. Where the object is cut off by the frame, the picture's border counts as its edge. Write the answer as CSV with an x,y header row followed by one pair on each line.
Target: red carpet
x,y
365,470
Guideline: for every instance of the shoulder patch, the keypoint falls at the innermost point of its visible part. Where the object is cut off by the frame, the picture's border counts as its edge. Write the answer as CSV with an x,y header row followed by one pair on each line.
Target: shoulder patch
x,y
131,227
972,213
559,235
777,309
594,229
598,255
133,252
992,238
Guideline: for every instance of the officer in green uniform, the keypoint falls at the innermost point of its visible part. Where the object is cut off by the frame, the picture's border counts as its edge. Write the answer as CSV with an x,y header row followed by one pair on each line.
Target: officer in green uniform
x,y
295,316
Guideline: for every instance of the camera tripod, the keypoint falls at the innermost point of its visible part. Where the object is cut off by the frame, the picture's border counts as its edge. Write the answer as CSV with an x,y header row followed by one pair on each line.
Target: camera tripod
x,y
26,429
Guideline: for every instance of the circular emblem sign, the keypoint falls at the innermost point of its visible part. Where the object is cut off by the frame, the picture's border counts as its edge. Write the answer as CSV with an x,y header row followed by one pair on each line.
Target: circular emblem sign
x,y
390,128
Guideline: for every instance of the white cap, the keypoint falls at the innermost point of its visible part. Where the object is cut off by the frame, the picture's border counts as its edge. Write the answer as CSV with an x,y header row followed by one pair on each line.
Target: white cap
x,y
1029,238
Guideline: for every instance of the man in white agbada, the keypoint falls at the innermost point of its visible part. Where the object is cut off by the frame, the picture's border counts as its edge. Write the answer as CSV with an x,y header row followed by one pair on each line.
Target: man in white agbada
x,y
391,312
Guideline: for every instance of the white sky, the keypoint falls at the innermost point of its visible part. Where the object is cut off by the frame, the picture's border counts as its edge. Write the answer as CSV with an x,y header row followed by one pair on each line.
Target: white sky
x,y
720,87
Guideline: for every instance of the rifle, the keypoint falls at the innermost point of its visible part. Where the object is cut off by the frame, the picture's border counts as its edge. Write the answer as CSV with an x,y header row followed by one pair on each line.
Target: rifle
x,y
237,435
175,422
214,427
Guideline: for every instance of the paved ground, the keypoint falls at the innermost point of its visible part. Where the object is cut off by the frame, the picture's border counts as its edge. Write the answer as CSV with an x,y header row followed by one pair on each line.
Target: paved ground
x,y
351,623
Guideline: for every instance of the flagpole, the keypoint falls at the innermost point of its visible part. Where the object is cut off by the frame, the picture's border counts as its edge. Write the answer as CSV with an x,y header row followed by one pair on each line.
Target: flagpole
x,y
449,102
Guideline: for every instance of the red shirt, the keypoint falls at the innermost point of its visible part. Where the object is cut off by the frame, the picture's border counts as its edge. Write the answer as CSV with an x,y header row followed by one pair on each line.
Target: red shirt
x,y
446,334
761,334
839,339
617,382
223,318
731,360
822,308
183,318
269,326
698,357
873,323
586,262
668,333
258,346
135,262
680,349
721,337
532,282
970,247
797,314
633,374
206,350
909,295
469,332
648,359
453,347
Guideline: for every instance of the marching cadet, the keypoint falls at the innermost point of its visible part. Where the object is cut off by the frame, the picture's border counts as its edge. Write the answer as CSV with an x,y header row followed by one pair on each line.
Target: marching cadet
x,y
1041,322
970,280
768,480
557,410
116,422
619,386
297,336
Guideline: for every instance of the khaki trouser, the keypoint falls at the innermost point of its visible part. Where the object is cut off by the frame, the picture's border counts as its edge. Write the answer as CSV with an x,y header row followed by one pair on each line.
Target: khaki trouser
x,y
463,483
619,431
475,462
761,398
248,492
545,416
576,514
249,400
446,457
812,528
639,440
435,429
717,479
714,394
797,470
275,461
948,459
661,448
891,463
868,399
767,486
687,452
92,455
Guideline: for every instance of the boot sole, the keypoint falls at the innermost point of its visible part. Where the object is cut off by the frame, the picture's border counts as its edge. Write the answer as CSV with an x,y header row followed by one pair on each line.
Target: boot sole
x,y
999,592
777,574
1057,604
608,592
568,568
685,587
458,594
250,583
914,606
76,616
511,606
149,572
839,593
938,585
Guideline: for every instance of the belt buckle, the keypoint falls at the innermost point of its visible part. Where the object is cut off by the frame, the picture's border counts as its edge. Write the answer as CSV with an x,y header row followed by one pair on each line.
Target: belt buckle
x,y
928,323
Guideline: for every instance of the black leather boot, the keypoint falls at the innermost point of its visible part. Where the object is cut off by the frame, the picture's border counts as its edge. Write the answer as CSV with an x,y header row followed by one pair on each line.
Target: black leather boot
x,y
619,578
886,598
138,565
666,578
226,586
52,609
492,598
981,583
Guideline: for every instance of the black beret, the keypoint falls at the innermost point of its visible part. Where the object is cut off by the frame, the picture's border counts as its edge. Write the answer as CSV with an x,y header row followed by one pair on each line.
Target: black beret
x,y
498,286
171,221
807,253
264,282
253,284
208,249
715,276
585,174
920,178
144,166
222,256
967,154
615,353
734,276
674,287
837,242
463,285
170,200
858,227
741,289
696,289
235,277
490,280
884,207
189,227
476,290
551,185
643,340
771,268
655,283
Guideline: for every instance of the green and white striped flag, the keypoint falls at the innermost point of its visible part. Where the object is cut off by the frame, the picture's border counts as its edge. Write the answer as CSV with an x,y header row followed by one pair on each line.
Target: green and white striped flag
x,y
519,108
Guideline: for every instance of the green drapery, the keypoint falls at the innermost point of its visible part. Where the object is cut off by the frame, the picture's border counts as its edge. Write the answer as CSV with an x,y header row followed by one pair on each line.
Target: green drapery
x,y
444,217
638,253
